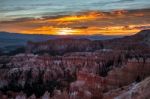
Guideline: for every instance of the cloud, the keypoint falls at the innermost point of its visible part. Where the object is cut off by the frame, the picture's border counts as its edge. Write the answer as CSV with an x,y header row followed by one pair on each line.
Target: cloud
x,y
108,30
119,22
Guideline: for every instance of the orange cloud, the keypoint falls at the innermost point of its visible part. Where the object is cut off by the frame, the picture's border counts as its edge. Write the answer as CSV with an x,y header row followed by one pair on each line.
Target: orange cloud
x,y
119,12
51,31
111,30
88,16
119,22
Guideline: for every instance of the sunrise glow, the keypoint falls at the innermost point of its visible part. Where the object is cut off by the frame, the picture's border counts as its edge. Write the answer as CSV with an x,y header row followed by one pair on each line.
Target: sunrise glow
x,y
111,30
88,22
65,31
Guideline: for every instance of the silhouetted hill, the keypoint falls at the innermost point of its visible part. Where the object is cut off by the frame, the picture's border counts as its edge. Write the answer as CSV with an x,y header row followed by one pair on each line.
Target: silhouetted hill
x,y
144,33
139,40
145,36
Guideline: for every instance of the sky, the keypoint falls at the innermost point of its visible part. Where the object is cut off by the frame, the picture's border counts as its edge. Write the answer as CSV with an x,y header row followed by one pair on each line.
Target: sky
x,y
75,17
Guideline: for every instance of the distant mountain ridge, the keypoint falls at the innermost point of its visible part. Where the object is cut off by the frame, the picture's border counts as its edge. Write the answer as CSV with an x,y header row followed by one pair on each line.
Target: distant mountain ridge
x,y
9,41
141,38
145,34
134,42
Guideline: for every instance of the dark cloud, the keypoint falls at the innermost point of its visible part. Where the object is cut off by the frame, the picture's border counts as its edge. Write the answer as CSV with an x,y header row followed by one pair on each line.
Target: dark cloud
x,y
36,8
5,10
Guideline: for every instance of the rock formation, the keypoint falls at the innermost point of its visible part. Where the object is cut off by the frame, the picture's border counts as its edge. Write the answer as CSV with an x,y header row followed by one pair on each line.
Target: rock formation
x,y
79,69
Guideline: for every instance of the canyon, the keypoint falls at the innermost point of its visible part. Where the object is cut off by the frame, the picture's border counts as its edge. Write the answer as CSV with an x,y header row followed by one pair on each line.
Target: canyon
x,y
69,68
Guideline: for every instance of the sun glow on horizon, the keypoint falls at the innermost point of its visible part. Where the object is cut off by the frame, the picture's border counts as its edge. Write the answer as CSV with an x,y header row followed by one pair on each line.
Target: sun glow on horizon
x,y
111,30
82,23
66,31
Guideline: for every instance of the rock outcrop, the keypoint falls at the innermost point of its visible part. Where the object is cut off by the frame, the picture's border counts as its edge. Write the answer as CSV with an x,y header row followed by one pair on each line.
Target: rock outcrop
x,y
133,91
60,46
